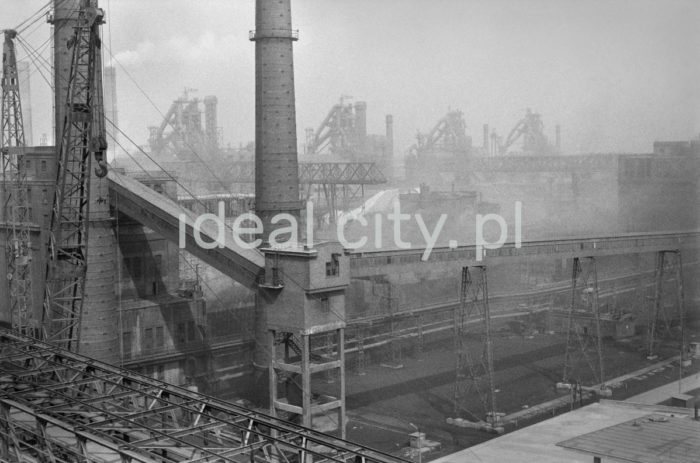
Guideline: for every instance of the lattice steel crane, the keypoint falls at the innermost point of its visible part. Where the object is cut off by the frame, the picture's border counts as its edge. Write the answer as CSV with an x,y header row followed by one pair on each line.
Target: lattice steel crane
x,y
17,205
83,134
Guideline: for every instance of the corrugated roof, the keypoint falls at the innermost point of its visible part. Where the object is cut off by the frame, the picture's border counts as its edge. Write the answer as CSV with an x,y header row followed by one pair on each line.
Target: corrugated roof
x,y
650,439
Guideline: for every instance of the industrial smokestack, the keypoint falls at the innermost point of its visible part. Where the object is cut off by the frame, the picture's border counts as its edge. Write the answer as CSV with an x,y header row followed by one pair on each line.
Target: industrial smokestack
x,y
361,124
390,135
486,139
558,138
276,165
211,122
389,155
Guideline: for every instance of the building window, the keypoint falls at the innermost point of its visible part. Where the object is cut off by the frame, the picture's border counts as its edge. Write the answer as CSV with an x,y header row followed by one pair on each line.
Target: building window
x,y
333,267
159,336
180,333
325,304
43,166
126,344
158,258
190,331
148,339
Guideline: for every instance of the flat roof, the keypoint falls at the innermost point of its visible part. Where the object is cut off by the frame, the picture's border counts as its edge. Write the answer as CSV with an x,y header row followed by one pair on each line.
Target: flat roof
x,y
653,438
538,442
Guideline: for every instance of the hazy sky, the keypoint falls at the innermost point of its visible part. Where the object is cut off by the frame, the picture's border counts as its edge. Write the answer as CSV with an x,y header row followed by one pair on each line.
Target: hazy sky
x,y
616,74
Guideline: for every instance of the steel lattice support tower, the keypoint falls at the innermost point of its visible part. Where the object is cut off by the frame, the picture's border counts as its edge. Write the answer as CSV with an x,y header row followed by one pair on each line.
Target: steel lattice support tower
x,y
668,263
17,206
584,284
67,247
12,122
470,372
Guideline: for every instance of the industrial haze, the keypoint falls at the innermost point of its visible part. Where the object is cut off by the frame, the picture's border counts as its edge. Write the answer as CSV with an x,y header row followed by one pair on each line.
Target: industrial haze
x,y
615,77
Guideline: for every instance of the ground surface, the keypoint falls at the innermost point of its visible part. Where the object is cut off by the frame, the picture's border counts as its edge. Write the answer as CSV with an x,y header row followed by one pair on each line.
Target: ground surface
x,y
385,404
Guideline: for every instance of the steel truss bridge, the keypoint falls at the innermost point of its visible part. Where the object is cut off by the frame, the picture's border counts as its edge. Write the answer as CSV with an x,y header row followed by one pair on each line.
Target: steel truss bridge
x,y
318,173
58,406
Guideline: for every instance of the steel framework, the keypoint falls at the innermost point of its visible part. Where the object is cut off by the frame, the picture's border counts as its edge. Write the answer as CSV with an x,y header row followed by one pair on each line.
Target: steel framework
x,y
60,406
318,173
82,135
449,134
584,288
17,203
667,263
474,373
339,133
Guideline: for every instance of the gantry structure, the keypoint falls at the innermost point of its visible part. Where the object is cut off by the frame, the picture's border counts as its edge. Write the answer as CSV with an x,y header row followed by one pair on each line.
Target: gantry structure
x,y
59,406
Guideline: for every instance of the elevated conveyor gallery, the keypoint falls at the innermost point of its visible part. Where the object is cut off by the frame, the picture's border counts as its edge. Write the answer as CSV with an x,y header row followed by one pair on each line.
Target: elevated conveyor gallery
x,y
158,212
163,215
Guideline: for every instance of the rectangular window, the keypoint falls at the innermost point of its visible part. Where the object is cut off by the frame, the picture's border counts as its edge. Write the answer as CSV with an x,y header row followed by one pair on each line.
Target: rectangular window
x,y
148,339
126,342
158,261
43,166
190,331
159,336
180,333
333,267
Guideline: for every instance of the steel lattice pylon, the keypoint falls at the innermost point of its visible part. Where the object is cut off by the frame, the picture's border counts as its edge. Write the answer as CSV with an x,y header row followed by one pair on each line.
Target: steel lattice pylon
x,y
60,406
668,263
67,256
584,285
17,203
474,301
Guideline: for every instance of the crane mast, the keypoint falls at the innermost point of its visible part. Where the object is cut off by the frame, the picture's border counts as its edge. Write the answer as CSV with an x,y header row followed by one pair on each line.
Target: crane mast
x,y
82,134
17,204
